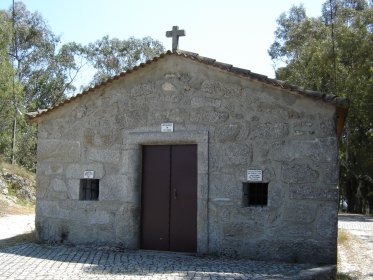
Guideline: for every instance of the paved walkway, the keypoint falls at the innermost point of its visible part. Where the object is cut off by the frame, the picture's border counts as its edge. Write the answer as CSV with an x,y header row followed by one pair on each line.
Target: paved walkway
x,y
41,261
356,257
32,261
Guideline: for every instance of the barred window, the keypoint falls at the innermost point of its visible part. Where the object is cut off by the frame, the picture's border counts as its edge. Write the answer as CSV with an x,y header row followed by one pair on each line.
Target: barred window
x,y
89,189
255,194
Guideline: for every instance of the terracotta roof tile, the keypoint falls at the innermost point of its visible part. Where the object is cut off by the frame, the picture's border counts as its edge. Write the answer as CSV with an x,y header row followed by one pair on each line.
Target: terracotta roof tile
x,y
338,101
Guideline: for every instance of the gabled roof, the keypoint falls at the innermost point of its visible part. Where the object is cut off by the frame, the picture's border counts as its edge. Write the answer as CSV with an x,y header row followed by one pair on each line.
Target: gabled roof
x,y
339,102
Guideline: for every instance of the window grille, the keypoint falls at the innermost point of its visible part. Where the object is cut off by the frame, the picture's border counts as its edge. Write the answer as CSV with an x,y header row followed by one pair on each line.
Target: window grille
x,y
255,194
89,189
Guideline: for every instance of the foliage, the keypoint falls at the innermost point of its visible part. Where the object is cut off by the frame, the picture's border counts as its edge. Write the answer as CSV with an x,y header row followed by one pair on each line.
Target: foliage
x,y
35,76
42,70
341,64
36,71
112,56
7,99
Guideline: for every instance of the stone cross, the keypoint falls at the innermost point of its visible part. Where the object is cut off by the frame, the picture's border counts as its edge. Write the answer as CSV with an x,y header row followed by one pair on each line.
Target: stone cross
x,y
175,33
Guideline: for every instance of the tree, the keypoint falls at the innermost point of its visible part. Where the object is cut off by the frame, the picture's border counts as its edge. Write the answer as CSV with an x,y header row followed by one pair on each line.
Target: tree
x,y
111,56
40,67
339,63
5,86
36,71
41,75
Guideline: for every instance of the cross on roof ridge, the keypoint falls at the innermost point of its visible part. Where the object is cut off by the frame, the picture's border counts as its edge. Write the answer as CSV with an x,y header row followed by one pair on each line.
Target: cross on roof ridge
x,y
175,33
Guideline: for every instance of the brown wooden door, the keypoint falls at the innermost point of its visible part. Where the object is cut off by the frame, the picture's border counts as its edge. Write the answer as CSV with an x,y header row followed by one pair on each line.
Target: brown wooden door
x,y
169,198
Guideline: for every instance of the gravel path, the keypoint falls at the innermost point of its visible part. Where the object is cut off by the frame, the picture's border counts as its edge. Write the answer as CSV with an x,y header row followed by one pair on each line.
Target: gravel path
x,y
356,257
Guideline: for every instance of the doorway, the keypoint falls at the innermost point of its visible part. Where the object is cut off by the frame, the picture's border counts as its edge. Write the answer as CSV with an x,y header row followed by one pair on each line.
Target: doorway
x,y
169,198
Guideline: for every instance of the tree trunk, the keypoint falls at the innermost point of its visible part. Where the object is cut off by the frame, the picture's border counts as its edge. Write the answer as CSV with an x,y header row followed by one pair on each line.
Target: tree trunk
x,y
14,137
351,194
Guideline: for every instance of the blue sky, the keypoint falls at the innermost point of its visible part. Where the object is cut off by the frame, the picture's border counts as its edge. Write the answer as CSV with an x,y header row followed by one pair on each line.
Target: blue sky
x,y
237,32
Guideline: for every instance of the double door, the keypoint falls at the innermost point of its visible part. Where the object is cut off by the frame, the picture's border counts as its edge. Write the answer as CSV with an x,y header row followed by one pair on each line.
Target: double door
x,y
169,198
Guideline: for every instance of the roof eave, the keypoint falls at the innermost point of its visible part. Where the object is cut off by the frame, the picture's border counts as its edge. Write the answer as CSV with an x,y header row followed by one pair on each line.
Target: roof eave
x,y
339,102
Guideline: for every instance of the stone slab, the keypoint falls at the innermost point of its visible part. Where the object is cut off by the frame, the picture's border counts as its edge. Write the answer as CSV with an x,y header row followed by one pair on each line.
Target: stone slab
x,y
58,151
104,155
313,192
293,172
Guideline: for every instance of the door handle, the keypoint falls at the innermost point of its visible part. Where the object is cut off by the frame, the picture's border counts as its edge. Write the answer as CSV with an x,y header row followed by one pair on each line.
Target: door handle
x,y
175,193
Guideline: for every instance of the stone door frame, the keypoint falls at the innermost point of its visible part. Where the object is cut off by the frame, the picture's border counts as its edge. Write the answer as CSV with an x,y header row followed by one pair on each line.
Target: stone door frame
x,y
133,142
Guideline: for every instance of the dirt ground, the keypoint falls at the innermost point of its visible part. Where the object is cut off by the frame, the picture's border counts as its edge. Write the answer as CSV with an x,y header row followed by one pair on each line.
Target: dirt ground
x,y
8,206
355,253
15,225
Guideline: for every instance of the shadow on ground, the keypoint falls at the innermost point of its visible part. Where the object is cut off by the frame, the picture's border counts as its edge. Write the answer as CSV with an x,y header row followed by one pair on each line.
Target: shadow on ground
x,y
343,217
111,260
14,240
343,276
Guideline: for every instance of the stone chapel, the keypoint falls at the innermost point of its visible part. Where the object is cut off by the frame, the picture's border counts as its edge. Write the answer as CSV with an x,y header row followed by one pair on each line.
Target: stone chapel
x,y
185,153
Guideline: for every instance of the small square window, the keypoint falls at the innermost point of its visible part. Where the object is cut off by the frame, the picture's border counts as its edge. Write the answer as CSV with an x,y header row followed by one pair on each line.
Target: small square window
x,y
255,194
89,189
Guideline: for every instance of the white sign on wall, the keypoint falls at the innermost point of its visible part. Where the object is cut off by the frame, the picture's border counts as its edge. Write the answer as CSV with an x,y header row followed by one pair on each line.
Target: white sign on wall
x,y
254,175
167,127
89,174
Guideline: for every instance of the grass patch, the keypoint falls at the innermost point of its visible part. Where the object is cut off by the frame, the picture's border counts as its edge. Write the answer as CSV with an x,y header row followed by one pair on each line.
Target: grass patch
x,y
343,240
14,203
18,170
25,203
3,206
342,276
19,200
19,208
11,191
343,237
22,238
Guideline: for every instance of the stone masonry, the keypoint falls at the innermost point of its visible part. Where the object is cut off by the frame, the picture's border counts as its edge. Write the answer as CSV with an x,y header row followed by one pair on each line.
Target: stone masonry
x,y
238,124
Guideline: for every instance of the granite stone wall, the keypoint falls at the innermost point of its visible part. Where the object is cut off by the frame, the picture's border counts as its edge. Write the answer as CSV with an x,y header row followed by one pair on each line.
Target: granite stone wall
x,y
237,123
